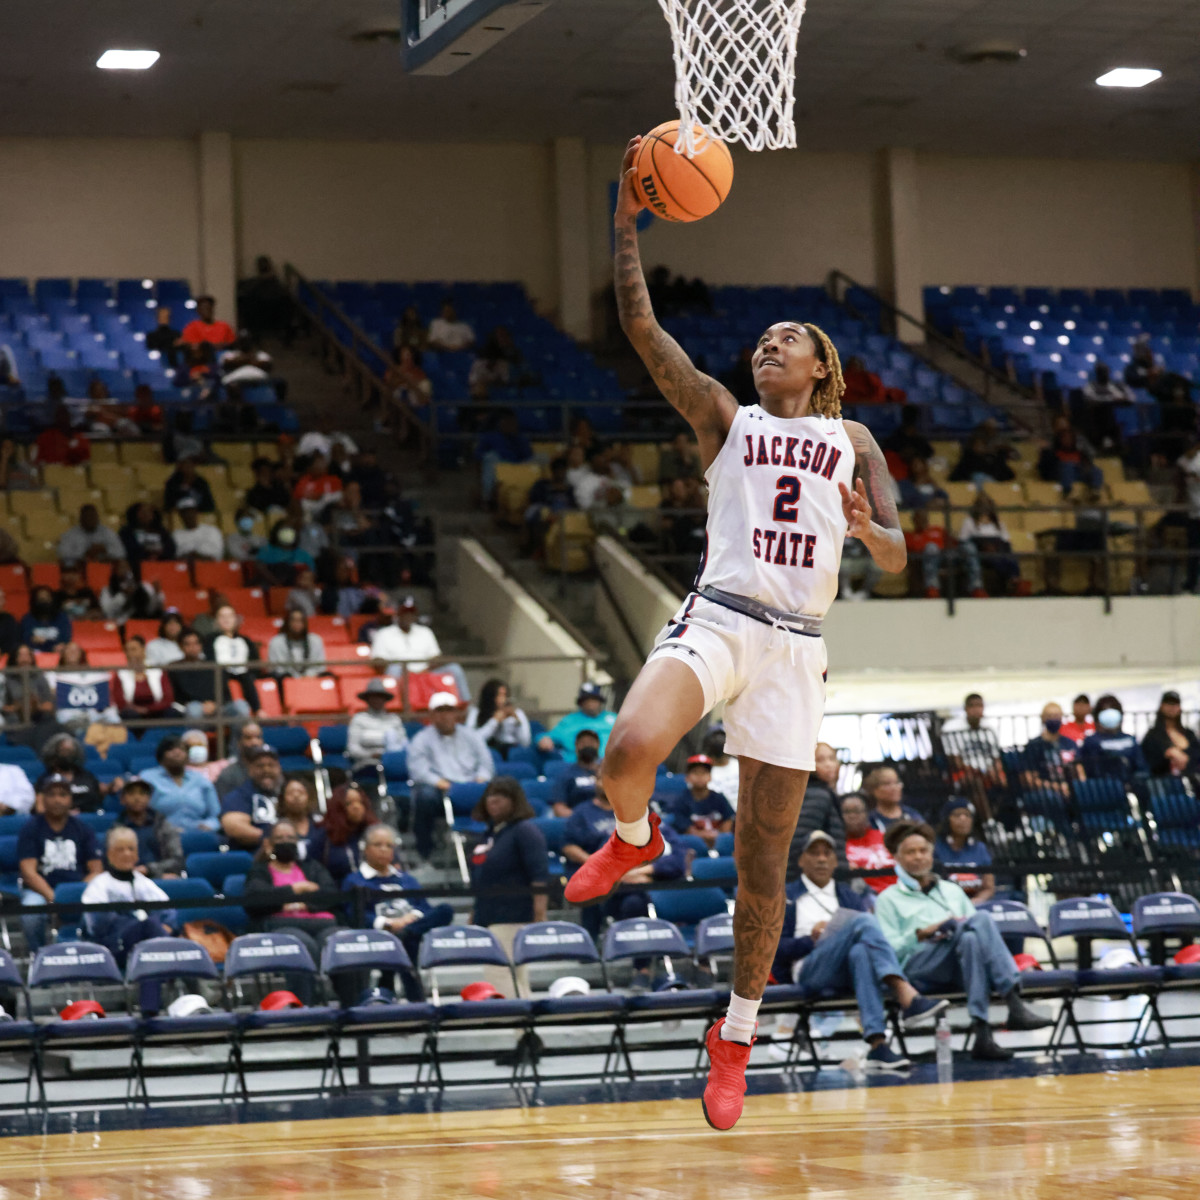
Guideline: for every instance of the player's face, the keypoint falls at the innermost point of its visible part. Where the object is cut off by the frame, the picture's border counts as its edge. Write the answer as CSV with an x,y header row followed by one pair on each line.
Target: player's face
x,y
785,361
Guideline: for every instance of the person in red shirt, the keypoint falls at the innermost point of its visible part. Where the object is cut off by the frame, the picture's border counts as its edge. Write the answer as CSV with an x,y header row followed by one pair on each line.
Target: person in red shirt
x,y
205,328
316,488
60,445
928,543
1081,725
864,843
862,386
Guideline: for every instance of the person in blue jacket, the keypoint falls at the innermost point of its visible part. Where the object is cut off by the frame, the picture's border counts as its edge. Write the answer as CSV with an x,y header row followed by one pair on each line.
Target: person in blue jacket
x,y
591,714
1110,751
832,945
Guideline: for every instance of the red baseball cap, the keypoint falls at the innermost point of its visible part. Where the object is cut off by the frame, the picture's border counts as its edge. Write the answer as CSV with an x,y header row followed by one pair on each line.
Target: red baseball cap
x,y
82,1010
1026,962
481,990
699,760
274,1001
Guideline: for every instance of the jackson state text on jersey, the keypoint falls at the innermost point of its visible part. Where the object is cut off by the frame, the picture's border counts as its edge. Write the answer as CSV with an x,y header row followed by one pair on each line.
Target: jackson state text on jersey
x,y
775,523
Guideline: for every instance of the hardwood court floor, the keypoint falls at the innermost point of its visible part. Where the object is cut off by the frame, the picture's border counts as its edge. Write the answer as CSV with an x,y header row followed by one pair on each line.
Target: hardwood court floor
x,y
1131,1135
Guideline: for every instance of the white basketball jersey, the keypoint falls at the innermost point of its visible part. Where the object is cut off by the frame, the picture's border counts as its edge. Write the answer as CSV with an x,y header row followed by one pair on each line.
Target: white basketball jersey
x,y
775,524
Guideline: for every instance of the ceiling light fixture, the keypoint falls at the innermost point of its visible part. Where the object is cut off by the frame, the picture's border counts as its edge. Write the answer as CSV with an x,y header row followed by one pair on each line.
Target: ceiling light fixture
x,y
127,60
1129,77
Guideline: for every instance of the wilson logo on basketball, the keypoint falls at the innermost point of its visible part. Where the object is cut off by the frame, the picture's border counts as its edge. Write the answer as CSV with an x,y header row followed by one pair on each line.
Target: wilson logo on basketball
x,y
653,200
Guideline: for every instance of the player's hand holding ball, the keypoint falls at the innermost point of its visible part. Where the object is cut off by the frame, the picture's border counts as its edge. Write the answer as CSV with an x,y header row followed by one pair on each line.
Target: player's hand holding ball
x,y
857,509
629,203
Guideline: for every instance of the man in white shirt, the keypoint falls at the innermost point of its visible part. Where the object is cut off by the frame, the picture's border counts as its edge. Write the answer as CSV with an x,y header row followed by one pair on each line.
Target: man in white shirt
x,y
973,741
320,441
1189,465
195,540
16,792
447,332
595,487
414,645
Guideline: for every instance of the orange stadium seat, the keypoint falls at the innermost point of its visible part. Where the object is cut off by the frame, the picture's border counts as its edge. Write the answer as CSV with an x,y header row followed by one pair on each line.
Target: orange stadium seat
x,y
357,664
16,603
190,601
98,574
15,578
250,602
333,630
45,660
146,628
350,687
260,629
106,658
277,600
97,635
45,575
425,683
319,695
219,575
168,575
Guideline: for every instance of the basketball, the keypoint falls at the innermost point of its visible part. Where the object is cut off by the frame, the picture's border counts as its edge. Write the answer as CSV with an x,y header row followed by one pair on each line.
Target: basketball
x,y
678,188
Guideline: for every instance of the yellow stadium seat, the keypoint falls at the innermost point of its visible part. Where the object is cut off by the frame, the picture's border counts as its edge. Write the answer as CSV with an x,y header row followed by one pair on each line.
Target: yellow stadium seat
x,y
906,520
1025,543
645,496
1005,495
235,453
39,551
114,520
1113,470
950,451
103,453
215,473
46,525
646,461
119,500
568,543
1027,451
548,450
1131,491
13,524
71,478
513,482
23,503
154,475
141,452
1039,522
112,476
70,502
1041,493
241,476
962,495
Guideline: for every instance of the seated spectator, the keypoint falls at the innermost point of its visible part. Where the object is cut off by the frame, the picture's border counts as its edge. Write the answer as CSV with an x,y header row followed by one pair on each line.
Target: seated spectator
x,y
145,413
25,695
447,332
163,650
195,540
316,488
725,773
233,650
205,329
249,810
160,852
370,477
512,854
505,443
408,918
336,842
1188,485
16,792
90,539
44,627
498,720
1082,724
928,543
982,461
122,883
406,378
344,597
976,743
277,885
348,522
884,792
590,714
572,788
60,445
276,562
864,844
237,770
411,645
1068,460
1110,750
270,489
53,847
144,536
984,538
374,732
961,854
243,544
862,386
821,809
442,754
410,331
1101,396
595,486
245,363
181,442
700,812
1050,758
297,804
944,943
294,652
164,338
17,472
183,796
1170,748
547,499
62,756
306,596
195,689
486,373
832,944
123,598
185,481
681,459
907,442
684,519
919,491
311,538
74,598
195,741
139,691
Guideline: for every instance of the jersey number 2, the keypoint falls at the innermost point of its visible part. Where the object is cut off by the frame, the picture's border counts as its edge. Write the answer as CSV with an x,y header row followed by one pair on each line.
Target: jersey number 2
x,y
786,497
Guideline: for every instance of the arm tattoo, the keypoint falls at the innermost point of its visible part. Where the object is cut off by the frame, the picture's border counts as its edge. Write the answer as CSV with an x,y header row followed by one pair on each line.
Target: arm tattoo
x,y
886,541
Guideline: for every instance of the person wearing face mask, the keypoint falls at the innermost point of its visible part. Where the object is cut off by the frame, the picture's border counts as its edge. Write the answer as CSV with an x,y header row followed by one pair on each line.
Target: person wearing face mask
x,y
1051,758
63,756
276,562
44,627
1110,751
573,787
185,797
243,543
160,850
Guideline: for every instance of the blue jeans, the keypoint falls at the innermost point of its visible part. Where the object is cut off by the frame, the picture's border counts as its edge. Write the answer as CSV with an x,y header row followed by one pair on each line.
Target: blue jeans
x,y
35,927
857,957
975,960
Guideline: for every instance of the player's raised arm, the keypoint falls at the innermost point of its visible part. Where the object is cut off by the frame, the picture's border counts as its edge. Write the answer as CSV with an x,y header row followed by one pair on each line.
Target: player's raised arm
x,y
704,403
873,494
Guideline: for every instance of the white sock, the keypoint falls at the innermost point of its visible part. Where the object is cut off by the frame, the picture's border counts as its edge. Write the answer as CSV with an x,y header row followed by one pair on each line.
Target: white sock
x,y
741,1020
636,833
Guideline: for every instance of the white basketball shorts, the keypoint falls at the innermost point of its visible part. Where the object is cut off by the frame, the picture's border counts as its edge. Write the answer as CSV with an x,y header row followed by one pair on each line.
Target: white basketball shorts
x,y
772,680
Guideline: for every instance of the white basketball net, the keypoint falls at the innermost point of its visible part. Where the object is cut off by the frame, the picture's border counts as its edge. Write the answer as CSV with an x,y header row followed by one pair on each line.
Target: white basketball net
x,y
735,70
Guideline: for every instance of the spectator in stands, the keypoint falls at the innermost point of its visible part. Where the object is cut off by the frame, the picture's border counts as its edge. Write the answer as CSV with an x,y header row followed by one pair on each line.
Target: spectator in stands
x,y
1188,465
683,531
928,542
270,489
196,742
144,536
165,339
337,841
349,524
160,851
410,331
90,539
185,797
573,787
123,598
17,472
249,811
884,791
409,918
984,542
43,627
407,380
1082,723
700,812
1171,748
294,651
140,692
821,809
385,615
245,363
862,386
60,445
297,804
53,847
724,769
1050,758
512,854
1110,750
864,843
832,944
487,371
249,741
547,499
196,541
595,487
344,597
681,459
857,566
919,491
14,692
907,442
185,481
62,756
163,650
195,689
447,332
981,461
415,645
205,328
243,544
74,598
306,596
442,754
590,713
503,443
944,943
16,792
276,562
370,477
1068,460
501,723
1102,394
233,650
316,488
311,538
961,854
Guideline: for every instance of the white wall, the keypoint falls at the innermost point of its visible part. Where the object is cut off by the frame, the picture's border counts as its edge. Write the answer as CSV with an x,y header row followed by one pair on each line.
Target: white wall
x,y
646,604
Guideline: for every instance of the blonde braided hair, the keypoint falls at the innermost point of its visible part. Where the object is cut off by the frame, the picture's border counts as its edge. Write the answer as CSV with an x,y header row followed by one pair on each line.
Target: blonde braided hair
x,y
827,393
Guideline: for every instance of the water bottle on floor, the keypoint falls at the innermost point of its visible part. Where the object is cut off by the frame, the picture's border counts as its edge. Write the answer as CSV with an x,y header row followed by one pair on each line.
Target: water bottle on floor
x,y
945,1053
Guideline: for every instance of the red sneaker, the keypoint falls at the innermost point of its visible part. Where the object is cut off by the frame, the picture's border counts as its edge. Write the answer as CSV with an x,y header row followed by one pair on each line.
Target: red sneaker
x,y
726,1088
595,880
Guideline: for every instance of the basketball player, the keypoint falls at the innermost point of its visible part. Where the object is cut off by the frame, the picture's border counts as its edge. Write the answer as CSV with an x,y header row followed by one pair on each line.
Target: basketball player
x,y
788,481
